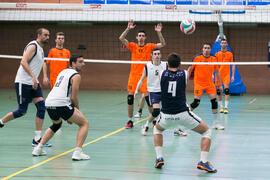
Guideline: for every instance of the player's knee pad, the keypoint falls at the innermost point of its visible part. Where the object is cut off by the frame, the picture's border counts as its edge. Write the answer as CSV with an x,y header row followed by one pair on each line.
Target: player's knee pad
x,y
147,100
156,112
20,111
195,103
55,127
214,103
218,92
41,109
157,131
207,134
227,91
130,99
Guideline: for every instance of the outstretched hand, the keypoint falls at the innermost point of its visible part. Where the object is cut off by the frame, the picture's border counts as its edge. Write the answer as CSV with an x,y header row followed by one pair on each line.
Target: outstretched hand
x,y
158,27
131,24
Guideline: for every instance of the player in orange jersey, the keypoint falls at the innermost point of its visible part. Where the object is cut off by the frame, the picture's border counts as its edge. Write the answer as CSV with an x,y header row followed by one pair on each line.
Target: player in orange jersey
x,y
224,56
203,80
56,67
140,51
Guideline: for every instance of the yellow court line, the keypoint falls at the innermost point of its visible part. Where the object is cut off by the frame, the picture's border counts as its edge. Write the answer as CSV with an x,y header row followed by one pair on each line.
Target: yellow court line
x,y
64,153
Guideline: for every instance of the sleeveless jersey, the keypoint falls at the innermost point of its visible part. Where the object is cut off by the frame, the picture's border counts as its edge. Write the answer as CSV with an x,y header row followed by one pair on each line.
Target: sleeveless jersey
x,y
152,73
60,94
35,65
173,91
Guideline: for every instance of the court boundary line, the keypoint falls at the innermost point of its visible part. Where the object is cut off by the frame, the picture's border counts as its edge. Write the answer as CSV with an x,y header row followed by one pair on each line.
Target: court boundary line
x,y
69,151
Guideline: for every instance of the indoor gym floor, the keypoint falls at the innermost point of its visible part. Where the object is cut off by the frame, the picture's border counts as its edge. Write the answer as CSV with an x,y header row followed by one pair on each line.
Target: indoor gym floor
x,y
240,152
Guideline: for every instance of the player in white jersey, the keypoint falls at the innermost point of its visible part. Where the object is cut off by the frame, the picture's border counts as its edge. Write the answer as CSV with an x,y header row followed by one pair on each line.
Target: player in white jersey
x,y
62,103
27,85
151,71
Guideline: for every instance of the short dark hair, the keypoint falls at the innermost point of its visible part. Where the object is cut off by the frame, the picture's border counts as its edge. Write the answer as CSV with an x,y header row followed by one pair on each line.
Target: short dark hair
x,y
155,49
174,60
207,43
74,58
223,40
59,34
39,31
141,31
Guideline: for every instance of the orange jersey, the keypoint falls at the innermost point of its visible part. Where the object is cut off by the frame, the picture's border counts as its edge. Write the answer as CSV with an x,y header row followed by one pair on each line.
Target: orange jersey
x,y
57,66
203,74
139,53
224,57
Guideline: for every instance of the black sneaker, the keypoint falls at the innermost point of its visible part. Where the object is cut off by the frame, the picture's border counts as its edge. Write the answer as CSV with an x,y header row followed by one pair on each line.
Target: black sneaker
x,y
1,125
129,124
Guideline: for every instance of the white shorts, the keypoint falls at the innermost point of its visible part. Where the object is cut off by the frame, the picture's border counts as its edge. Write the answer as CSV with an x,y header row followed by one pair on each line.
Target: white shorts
x,y
187,119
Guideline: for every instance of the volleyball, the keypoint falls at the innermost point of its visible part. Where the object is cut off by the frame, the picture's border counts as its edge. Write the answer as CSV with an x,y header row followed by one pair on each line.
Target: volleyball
x,y
188,26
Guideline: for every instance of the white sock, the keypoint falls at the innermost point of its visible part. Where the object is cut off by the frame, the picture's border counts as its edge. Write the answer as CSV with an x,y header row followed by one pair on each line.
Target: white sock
x,y
40,145
159,151
37,135
147,123
130,119
78,149
1,121
226,104
204,156
220,104
215,117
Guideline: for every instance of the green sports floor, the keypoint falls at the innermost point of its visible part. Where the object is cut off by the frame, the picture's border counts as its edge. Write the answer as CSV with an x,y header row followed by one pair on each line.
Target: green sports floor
x,y
241,151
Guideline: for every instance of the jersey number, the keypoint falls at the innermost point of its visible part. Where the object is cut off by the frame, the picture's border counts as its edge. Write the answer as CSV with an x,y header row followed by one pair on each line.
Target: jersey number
x,y
172,88
57,84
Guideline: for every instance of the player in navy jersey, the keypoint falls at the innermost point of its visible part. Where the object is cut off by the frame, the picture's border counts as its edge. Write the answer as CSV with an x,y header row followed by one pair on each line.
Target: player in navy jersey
x,y
175,112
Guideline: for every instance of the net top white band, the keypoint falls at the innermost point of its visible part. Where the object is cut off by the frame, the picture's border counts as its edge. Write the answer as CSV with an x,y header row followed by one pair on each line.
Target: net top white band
x,y
144,62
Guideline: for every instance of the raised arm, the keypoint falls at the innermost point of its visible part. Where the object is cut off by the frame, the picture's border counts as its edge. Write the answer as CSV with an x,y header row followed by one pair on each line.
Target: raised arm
x,y
122,37
158,29
75,82
140,83
27,56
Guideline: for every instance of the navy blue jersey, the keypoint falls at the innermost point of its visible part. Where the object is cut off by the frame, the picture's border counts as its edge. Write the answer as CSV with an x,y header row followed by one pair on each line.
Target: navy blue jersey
x,y
173,91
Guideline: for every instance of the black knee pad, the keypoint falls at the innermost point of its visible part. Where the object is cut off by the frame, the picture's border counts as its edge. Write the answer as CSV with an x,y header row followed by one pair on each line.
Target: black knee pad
x,y
227,91
195,103
147,100
41,109
130,99
214,103
218,92
20,111
156,112
55,127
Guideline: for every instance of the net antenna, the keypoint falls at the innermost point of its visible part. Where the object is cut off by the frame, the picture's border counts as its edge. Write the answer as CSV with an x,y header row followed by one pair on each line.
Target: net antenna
x,y
220,25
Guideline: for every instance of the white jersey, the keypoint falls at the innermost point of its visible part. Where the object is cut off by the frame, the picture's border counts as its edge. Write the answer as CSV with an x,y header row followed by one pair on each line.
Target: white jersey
x,y
60,94
152,71
35,65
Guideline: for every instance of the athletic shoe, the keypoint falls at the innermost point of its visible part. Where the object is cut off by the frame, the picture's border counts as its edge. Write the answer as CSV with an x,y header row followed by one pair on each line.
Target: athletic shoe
x,y
138,115
221,110
159,163
144,130
38,152
179,132
226,111
217,126
1,125
35,143
78,156
206,166
129,124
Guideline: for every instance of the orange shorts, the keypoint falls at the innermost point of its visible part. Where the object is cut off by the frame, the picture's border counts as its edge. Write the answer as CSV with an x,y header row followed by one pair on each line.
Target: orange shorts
x,y
132,84
225,80
198,90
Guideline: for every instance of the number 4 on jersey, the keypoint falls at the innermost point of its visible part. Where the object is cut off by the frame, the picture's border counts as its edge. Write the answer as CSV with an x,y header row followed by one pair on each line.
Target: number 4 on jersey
x,y
172,88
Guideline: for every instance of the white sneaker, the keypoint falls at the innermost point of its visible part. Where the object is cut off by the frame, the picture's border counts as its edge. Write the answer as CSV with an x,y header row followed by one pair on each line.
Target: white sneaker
x,y
37,151
138,115
78,156
144,130
179,132
218,126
